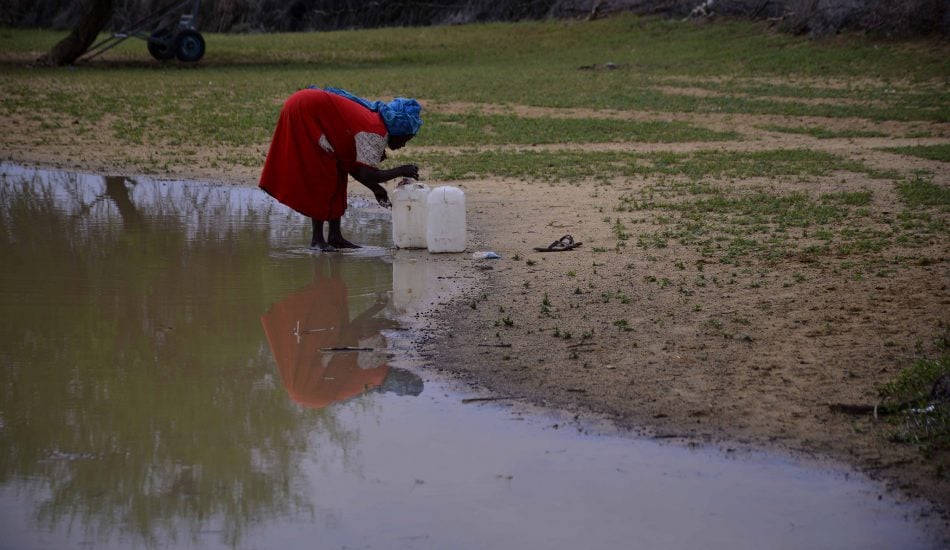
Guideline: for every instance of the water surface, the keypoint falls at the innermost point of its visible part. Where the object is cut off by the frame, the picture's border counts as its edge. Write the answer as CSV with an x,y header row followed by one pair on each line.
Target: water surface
x,y
177,370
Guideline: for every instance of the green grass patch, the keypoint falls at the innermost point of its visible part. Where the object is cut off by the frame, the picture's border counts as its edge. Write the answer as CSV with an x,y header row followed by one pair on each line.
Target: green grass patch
x,y
921,420
736,225
917,227
921,191
852,198
547,166
735,164
599,165
650,46
821,133
759,209
862,241
913,385
930,152
233,95
477,129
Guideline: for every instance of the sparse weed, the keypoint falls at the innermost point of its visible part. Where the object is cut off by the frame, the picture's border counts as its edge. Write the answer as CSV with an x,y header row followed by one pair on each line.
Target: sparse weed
x,y
930,152
920,419
504,321
921,192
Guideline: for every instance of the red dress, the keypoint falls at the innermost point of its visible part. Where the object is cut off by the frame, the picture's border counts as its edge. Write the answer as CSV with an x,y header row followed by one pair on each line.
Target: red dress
x,y
320,138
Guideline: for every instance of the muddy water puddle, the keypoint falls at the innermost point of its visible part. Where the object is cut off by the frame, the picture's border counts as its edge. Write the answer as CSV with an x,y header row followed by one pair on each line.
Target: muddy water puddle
x,y
178,371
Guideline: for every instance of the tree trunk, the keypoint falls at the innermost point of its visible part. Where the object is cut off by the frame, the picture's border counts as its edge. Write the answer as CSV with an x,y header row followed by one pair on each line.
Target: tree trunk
x,y
226,13
96,14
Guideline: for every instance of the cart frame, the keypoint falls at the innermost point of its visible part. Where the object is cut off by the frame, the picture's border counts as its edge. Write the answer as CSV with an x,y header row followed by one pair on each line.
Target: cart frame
x,y
182,41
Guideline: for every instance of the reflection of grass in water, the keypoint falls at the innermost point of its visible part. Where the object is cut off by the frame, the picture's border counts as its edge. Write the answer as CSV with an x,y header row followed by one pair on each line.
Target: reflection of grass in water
x,y
921,421
156,371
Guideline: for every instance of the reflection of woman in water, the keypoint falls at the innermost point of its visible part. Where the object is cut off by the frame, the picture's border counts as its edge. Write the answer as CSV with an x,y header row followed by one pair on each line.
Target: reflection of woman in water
x,y
301,327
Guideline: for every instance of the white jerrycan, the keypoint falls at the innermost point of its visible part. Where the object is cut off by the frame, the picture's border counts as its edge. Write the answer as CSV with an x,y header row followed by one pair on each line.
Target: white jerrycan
x,y
445,230
409,215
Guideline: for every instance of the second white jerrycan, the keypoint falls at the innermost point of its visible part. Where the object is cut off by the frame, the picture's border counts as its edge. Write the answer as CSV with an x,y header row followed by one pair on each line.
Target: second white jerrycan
x,y
445,230
409,214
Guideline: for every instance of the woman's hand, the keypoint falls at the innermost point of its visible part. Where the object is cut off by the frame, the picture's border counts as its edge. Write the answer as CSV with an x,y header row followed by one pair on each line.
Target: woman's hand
x,y
409,171
382,197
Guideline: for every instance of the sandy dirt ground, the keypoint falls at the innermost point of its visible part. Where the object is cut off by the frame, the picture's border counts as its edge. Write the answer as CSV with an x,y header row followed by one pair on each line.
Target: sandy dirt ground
x,y
752,362
664,340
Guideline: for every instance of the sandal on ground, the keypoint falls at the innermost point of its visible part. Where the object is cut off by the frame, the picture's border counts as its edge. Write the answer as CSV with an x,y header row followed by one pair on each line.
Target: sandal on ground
x,y
564,243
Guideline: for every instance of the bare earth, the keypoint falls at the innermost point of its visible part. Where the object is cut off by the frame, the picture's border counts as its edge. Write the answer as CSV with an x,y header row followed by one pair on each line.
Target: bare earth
x,y
661,339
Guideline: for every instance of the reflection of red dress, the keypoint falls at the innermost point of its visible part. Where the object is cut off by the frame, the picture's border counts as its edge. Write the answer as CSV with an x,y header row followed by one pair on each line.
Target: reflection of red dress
x,y
320,138
298,327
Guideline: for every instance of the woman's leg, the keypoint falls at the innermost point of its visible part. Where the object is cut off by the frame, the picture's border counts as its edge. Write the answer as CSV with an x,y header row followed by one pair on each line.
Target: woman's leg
x,y
317,240
335,236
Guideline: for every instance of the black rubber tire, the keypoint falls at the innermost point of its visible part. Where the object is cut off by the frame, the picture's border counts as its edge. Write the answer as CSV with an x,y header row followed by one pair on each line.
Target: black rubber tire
x,y
161,45
189,46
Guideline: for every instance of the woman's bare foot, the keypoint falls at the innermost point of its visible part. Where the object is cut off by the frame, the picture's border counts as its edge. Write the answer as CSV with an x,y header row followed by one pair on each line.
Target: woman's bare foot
x,y
335,236
340,242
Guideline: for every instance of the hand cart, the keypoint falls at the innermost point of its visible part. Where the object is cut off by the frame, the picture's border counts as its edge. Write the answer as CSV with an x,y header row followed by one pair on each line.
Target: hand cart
x,y
167,41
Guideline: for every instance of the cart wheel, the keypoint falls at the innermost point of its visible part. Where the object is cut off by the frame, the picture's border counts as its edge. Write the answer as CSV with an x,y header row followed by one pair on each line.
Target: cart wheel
x,y
189,46
160,45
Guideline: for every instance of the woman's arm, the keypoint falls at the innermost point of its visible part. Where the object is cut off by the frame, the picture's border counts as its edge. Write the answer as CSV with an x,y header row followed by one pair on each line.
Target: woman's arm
x,y
373,177
369,176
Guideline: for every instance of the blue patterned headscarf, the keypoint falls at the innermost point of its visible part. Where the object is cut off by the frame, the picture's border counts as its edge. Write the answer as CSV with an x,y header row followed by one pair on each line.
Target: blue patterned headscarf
x,y
401,115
